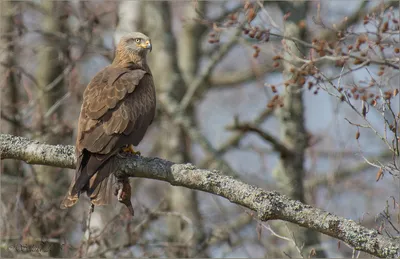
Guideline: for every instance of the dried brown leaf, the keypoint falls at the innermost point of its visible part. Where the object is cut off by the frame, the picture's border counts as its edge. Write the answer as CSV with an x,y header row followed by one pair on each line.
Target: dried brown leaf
x,y
379,175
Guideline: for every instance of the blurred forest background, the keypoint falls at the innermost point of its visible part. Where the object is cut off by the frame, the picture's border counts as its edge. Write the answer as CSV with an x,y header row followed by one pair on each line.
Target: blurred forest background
x,y
254,83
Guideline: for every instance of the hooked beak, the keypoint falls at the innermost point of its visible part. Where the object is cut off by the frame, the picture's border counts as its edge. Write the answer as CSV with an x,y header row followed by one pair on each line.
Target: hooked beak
x,y
148,45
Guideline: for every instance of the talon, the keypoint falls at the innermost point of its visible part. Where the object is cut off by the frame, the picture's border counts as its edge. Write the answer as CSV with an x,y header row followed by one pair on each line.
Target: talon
x,y
123,193
131,150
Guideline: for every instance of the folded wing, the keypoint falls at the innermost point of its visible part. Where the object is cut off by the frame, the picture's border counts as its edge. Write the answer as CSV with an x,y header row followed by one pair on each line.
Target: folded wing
x,y
118,106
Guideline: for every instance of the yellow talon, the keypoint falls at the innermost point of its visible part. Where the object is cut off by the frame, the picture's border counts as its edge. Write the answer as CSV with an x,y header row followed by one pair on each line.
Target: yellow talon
x,y
130,149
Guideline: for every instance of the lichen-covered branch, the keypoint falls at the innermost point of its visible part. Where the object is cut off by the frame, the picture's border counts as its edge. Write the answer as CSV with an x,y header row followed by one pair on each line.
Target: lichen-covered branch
x,y
267,205
35,153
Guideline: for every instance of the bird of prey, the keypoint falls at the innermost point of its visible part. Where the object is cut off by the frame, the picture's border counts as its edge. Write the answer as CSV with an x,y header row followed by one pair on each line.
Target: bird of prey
x,y
118,106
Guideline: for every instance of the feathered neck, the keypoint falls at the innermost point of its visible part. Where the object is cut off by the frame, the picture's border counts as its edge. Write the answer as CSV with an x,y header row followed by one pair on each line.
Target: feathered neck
x,y
127,59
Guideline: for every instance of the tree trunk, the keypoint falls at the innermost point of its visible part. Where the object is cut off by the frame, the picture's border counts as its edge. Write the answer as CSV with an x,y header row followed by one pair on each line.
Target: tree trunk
x,y
51,88
290,171
9,89
173,142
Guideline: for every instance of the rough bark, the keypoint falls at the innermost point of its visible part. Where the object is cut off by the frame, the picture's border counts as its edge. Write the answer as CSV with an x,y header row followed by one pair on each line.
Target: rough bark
x,y
267,205
290,171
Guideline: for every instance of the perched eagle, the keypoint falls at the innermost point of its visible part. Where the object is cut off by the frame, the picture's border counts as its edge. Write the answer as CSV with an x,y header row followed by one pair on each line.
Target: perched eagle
x,y
118,106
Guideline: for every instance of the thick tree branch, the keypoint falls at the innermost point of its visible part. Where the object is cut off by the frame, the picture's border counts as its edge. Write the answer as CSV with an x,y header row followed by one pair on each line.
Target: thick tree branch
x,y
35,153
267,205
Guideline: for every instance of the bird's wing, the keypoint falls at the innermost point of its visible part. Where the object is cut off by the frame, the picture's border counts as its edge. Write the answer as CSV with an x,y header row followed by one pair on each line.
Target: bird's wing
x,y
101,105
118,106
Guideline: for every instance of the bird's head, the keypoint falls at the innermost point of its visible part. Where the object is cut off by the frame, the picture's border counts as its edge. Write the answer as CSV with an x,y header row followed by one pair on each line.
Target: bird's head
x,y
132,47
135,42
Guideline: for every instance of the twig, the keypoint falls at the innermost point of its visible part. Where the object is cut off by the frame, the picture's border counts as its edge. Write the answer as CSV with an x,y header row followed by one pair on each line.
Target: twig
x,y
57,104
352,19
13,120
271,21
91,208
369,125
324,179
332,52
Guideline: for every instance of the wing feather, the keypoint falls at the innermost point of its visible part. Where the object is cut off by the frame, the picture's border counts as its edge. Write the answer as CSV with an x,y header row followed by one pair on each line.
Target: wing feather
x,y
106,96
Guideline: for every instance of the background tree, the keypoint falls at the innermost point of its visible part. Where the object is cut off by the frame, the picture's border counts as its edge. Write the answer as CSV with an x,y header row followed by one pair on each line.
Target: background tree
x,y
299,97
8,59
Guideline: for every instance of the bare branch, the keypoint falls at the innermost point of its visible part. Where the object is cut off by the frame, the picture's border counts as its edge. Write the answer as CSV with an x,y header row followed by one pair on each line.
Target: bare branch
x,y
345,56
222,233
235,139
229,79
215,59
276,144
342,174
268,205
361,11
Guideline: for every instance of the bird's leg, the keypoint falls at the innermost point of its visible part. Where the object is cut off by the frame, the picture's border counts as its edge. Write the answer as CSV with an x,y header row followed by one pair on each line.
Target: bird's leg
x,y
123,193
129,149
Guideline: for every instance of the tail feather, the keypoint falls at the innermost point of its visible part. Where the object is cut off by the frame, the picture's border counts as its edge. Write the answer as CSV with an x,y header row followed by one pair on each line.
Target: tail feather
x,y
102,195
70,199
94,175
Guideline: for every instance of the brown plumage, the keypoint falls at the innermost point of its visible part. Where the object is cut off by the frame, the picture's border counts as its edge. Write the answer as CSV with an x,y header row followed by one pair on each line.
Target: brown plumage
x,y
118,107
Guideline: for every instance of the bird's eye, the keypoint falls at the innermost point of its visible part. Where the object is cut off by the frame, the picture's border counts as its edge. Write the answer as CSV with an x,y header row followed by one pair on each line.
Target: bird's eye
x,y
137,40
